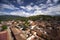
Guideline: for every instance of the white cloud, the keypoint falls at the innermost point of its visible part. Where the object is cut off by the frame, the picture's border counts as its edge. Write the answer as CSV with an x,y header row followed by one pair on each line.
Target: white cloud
x,y
55,10
48,1
11,7
52,10
31,3
55,1
4,13
20,1
29,7
26,14
20,13
38,12
22,7
36,7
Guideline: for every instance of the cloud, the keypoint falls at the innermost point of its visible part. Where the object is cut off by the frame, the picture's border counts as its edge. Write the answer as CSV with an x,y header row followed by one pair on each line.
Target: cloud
x,y
48,1
29,7
20,1
55,10
25,14
55,1
20,13
29,10
3,13
31,3
11,7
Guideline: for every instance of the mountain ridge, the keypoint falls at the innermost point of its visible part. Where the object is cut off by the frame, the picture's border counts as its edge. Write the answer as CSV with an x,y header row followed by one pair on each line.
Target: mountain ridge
x,y
37,17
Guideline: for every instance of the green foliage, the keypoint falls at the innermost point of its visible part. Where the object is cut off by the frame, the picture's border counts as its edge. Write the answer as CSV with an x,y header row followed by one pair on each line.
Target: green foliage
x,y
0,21
26,23
38,17
4,27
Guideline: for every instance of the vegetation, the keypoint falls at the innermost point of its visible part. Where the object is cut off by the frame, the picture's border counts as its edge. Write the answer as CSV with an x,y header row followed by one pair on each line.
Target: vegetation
x,y
38,17
4,27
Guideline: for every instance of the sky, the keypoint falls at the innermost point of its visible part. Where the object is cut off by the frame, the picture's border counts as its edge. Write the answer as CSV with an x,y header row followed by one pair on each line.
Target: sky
x,y
28,8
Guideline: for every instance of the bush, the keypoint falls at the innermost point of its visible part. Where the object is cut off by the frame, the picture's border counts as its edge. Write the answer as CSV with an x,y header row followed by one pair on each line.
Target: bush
x,y
4,27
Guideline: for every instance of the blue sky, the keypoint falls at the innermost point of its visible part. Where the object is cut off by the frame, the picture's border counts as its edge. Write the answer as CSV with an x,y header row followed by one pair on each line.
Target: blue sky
x,y
29,7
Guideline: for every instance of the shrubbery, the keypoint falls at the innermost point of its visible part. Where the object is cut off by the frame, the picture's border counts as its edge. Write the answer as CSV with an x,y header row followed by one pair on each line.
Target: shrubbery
x,y
4,27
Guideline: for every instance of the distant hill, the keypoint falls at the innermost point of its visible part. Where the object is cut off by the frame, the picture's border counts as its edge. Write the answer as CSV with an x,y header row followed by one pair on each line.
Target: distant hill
x,y
38,17
44,17
11,17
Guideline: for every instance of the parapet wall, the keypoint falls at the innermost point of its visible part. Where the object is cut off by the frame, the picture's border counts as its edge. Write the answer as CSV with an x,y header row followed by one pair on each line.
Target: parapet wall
x,y
3,35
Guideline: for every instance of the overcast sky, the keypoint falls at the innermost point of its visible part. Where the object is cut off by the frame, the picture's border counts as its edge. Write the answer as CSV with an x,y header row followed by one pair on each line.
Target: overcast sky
x,y
29,7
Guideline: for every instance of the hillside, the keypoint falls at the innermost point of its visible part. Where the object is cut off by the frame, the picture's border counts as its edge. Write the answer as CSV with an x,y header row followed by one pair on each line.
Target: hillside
x,y
38,17
11,17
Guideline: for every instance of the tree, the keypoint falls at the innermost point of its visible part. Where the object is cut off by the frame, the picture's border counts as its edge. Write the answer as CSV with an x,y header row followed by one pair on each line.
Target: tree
x,y
4,27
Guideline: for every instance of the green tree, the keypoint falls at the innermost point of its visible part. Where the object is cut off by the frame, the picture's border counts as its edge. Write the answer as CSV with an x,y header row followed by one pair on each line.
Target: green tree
x,y
4,27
